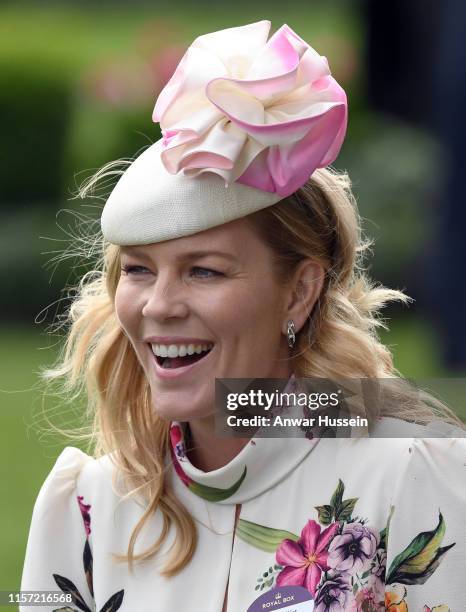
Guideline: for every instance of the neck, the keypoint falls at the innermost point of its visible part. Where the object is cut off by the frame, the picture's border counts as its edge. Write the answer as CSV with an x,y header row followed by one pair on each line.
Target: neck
x,y
208,452
205,450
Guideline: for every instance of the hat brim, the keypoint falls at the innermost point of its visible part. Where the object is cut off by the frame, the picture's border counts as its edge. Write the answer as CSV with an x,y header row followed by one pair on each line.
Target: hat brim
x,y
148,204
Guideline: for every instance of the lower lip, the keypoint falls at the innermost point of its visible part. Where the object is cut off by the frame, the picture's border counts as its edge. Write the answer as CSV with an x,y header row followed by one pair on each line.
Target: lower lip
x,y
167,373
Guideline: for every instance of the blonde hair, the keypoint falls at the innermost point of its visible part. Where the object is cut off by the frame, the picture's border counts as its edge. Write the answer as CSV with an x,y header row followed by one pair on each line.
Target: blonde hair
x,y
339,339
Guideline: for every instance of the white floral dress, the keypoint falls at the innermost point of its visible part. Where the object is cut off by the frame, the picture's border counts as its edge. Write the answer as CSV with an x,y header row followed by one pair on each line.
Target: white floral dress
x,y
365,524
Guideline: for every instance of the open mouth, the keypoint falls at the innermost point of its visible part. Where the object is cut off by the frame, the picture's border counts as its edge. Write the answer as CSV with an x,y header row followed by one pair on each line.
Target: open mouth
x,y
170,363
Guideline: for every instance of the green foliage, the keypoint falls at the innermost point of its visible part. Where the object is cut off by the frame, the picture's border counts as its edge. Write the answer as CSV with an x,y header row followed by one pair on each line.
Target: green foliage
x,y
419,560
339,509
214,493
35,106
262,537
268,577
32,285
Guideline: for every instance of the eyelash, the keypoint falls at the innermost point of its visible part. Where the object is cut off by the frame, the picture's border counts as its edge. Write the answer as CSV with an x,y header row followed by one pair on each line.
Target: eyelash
x,y
129,269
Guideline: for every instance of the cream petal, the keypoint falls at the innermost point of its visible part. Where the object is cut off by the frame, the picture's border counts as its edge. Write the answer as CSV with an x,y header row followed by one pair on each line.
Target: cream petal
x,y
236,47
283,114
222,143
198,121
185,91
235,103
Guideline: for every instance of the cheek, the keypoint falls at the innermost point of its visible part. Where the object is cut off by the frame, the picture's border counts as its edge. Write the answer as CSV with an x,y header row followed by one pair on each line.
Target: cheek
x,y
245,307
127,308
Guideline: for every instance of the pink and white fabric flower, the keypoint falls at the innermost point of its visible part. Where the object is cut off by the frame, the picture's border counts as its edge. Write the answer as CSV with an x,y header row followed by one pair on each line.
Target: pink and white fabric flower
x,y
265,113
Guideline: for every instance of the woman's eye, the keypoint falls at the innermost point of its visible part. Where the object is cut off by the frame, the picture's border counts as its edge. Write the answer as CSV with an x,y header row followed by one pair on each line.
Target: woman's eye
x,y
128,269
204,272
196,271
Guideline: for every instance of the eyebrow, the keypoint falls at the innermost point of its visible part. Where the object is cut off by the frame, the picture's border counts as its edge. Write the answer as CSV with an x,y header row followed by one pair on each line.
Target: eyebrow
x,y
182,257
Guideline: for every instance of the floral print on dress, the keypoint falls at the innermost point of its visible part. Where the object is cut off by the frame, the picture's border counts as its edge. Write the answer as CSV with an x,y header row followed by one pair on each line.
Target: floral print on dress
x,y
84,508
305,560
342,561
178,455
351,550
67,586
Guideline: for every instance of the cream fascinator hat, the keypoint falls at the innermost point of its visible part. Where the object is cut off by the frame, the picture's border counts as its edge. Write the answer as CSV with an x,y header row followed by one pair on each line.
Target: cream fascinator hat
x,y
245,122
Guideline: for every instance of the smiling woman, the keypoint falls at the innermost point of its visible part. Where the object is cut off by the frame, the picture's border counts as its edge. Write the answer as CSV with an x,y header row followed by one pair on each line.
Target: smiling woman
x,y
231,250
205,293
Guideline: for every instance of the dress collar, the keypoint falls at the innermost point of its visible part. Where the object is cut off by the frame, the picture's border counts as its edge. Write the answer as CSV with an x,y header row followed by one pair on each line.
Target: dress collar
x,y
261,464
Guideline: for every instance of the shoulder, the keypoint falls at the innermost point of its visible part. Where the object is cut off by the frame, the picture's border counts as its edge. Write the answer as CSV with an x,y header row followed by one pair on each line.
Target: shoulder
x,y
74,473
430,478
389,427
437,447
64,474
437,464
394,463
63,525
73,465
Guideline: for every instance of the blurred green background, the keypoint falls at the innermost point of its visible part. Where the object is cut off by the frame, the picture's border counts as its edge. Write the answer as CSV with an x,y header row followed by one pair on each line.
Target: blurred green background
x,y
77,87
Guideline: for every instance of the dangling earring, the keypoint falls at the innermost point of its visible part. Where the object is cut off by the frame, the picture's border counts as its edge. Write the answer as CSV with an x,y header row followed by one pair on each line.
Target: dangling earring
x,y
290,333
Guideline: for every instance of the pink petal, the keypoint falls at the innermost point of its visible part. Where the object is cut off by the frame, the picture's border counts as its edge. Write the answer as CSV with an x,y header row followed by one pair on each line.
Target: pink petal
x,y
358,565
368,546
312,67
176,434
335,555
206,160
290,553
291,576
312,579
257,174
170,91
249,115
326,536
341,541
334,149
288,167
281,54
298,43
321,560
347,563
309,537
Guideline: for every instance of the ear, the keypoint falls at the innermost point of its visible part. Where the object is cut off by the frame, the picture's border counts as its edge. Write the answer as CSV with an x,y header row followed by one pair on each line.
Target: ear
x,y
304,290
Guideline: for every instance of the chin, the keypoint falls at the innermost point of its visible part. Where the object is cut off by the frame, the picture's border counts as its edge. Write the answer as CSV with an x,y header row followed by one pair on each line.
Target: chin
x,y
181,410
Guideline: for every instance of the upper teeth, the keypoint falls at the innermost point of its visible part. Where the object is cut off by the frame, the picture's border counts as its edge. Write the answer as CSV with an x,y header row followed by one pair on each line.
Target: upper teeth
x,y
179,350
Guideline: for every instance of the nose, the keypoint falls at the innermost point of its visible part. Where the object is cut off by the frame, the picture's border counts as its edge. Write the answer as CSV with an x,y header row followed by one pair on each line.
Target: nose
x,y
166,299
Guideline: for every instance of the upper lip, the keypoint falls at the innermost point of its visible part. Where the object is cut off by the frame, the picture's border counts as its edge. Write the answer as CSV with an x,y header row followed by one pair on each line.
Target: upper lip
x,y
176,340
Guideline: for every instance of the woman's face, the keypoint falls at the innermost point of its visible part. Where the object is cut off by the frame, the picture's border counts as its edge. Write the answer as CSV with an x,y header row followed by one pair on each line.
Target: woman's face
x,y
215,290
